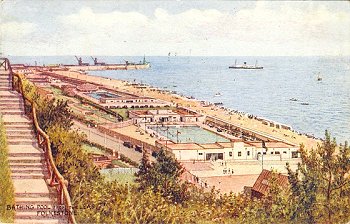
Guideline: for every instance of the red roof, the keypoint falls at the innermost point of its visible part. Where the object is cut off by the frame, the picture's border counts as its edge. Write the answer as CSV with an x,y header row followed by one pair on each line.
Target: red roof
x,y
261,184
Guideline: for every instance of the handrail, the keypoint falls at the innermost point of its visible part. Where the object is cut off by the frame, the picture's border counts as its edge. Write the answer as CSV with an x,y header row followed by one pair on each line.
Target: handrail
x,y
6,64
56,179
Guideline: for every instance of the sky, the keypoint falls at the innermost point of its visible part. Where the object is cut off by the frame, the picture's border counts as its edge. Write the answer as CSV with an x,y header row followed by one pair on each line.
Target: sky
x,y
196,28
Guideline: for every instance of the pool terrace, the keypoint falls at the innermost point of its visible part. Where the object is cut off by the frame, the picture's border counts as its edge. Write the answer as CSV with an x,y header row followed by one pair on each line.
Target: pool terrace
x,y
99,95
187,134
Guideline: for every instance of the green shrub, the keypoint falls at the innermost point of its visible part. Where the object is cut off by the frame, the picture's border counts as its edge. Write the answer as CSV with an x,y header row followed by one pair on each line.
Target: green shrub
x,y
128,160
6,185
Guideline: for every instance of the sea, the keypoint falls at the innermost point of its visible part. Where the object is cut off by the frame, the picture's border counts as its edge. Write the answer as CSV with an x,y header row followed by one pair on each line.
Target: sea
x,y
287,90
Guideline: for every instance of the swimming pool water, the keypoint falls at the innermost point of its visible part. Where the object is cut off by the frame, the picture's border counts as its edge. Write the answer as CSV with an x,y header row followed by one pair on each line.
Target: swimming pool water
x,y
188,134
100,95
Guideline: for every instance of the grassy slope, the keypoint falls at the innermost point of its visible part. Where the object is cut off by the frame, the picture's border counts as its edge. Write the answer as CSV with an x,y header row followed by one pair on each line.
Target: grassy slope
x,y
122,178
6,185
93,149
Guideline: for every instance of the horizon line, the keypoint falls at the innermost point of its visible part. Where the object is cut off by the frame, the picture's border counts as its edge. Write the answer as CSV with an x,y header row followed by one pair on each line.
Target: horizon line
x,y
172,56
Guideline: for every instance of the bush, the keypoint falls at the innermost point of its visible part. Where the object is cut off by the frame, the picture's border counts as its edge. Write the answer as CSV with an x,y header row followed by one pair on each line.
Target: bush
x,y
6,185
128,160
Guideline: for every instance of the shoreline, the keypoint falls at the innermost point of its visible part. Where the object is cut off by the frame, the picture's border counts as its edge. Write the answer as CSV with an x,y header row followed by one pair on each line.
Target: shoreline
x,y
210,109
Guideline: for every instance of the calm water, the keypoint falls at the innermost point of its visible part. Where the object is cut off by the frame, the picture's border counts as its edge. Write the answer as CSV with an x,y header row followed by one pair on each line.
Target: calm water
x,y
264,93
101,95
189,134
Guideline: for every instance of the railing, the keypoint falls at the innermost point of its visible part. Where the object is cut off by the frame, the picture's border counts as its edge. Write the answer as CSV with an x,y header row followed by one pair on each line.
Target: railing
x,y
56,179
5,63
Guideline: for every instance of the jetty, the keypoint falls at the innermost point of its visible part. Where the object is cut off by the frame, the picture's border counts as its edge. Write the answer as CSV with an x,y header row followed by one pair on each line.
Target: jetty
x,y
39,187
104,67
82,67
98,65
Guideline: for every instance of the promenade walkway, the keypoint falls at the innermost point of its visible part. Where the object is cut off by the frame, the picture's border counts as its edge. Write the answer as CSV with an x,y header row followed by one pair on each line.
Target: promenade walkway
x,y
34,199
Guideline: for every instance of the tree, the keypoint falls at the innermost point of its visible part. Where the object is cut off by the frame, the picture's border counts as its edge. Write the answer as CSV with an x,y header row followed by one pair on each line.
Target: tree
x,y
54,113
321,184
144,170
163,176
50,112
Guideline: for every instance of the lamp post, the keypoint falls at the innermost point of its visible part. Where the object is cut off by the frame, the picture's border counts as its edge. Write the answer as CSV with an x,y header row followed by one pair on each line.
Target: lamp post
x,y
262,160
262,153
177,136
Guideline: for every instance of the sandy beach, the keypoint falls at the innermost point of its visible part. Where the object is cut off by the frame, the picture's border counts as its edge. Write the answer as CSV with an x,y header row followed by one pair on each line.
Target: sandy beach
x,y
222,113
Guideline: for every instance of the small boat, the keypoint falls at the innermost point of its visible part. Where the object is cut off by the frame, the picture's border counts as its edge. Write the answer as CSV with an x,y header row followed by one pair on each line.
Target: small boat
x,y
319,77
245,66
293,99
304,103
217,94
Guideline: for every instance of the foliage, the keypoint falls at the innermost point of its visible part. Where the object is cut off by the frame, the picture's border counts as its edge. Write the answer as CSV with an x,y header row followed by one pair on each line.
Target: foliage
x,y
6,185
55,113
99,146
274,207
144,168
128,160
72,162
30,91
81,118
119,163
92,150
163,176
50,112
321,184
121,178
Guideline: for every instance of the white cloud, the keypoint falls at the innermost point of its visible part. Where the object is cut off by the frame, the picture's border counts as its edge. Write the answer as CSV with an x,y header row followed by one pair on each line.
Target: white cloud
x,y
13,35
261,30
16,30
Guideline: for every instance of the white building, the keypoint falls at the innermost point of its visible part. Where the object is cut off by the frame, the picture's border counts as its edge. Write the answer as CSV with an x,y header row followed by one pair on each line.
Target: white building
x,y
178,115
275,150
109,99
234,150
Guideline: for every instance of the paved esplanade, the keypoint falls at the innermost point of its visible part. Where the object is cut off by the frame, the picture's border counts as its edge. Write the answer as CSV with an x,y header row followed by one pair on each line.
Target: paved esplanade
x,y
28,168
